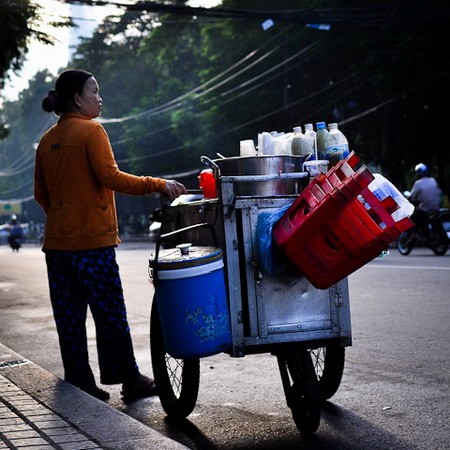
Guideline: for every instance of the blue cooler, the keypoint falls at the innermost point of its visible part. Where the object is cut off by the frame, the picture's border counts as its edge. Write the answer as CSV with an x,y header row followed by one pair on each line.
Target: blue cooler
x,y
192,301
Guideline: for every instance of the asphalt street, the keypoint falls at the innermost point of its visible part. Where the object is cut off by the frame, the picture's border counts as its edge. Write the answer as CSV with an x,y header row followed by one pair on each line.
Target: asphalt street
x,y
394,393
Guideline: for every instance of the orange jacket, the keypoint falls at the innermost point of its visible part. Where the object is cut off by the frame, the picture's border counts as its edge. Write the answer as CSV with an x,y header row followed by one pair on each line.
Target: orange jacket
x,y
75,179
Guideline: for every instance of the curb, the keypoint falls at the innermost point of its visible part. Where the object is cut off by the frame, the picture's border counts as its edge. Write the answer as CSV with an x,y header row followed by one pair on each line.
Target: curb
x,y
35,404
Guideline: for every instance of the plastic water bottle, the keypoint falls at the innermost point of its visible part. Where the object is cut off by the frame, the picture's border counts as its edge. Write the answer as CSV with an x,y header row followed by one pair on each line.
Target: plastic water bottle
x,y
311,135
382,188
300,144
336,145
321,136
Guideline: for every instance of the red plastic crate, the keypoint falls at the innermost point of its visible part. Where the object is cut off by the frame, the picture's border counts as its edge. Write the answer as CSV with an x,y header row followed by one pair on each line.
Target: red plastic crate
x,y
337,225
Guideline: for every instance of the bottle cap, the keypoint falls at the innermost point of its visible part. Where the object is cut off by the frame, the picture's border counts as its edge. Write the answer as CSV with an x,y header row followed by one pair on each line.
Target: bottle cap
x,y
321,125
332,126
297,129
308,126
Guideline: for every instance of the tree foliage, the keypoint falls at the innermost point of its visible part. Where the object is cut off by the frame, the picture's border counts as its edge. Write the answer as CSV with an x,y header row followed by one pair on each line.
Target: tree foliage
x,y
14,32
178,86
19,20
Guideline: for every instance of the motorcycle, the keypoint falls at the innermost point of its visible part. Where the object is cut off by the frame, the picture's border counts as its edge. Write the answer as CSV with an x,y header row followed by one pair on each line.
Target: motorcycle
x,y
15,242
15,237
433,233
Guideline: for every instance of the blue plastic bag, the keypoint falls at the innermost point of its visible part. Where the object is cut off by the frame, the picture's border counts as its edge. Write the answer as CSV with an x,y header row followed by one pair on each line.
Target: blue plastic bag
x,y
271,258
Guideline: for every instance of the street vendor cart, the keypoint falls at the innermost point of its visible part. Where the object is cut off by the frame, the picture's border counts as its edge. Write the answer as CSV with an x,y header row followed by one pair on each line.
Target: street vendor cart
x,y
282,313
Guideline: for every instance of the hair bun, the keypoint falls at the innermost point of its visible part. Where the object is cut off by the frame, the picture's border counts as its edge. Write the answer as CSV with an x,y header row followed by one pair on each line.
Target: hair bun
x,y
48,104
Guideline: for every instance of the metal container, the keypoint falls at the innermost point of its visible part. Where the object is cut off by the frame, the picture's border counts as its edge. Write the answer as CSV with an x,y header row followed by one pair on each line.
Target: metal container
x,y
263,165
192,213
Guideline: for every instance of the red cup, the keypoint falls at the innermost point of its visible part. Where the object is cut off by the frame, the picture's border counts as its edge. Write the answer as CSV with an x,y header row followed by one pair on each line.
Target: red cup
x,y
207,183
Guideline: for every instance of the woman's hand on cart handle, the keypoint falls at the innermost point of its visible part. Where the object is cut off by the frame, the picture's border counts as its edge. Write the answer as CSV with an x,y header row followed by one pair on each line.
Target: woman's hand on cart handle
x,y
174,189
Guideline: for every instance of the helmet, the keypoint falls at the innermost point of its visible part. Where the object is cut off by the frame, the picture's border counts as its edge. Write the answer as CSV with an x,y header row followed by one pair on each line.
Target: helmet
x,y
421,169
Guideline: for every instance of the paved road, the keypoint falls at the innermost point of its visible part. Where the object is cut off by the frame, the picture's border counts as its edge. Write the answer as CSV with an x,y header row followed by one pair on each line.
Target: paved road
x,y
394,394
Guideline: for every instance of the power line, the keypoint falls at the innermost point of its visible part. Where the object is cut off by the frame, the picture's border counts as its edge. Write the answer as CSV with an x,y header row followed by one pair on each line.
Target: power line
x,y
176,102
250,81
368,15
252,121
25,160
185,108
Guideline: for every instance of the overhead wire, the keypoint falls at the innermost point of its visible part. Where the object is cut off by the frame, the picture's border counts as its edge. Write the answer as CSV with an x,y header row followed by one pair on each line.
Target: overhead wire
x,y
177,105
369,15
25,160
254,120
255,78
176,101
424,84
251,80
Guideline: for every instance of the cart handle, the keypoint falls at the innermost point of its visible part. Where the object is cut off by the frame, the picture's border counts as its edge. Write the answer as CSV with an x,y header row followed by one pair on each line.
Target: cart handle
x,y
189,228
209,162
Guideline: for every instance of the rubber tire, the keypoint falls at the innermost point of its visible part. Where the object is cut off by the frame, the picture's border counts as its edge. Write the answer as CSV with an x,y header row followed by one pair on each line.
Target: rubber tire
x,y
177,380
404,243
439,241
303,396
328,364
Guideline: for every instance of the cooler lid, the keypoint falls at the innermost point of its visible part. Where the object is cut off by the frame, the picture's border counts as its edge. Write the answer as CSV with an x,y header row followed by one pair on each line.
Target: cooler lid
x,y
187,255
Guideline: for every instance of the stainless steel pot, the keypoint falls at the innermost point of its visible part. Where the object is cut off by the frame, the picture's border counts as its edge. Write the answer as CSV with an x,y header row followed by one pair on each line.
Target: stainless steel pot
x,y
263,165
259,165
193,213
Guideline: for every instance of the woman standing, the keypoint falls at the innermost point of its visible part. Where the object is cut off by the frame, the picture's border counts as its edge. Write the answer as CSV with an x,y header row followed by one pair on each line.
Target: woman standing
x,y
76,176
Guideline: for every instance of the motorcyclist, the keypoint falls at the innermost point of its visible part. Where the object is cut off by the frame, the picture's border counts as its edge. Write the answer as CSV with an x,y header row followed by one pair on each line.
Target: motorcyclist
x,y
425,195
15,234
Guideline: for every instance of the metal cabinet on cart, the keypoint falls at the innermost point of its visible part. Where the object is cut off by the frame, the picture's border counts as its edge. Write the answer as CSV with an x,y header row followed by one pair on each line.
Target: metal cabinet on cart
x,y
274,309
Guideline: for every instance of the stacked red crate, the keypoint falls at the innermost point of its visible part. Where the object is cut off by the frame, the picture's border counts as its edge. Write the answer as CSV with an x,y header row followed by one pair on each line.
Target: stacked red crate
x,y
337,224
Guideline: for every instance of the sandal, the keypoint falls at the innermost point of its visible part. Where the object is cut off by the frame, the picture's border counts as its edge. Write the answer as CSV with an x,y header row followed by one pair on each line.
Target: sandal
x,y
139,387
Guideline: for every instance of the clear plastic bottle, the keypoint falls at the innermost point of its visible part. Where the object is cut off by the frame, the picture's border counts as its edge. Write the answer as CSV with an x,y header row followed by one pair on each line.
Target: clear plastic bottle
x,y
296,144
321,136
382,188
336,145
284,143
311,135
301,145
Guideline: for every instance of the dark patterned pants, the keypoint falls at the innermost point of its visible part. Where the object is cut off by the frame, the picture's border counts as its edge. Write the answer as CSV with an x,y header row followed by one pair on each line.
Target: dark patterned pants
x,y
90,277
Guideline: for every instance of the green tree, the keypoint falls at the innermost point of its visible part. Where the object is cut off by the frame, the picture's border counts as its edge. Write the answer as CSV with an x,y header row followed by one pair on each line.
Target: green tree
x,y
19,24
182,86
28,123
15,17
20,19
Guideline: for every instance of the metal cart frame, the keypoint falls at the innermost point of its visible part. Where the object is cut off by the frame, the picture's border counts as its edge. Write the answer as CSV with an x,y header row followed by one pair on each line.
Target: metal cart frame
x,y
284,315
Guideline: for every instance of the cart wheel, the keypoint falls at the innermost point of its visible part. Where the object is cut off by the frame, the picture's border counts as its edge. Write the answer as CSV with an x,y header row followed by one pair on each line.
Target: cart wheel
x,y
302,390
177,380
328,363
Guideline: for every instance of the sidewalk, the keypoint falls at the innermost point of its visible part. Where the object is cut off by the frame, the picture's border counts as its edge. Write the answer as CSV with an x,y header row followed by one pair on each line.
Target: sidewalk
x,y
39,411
